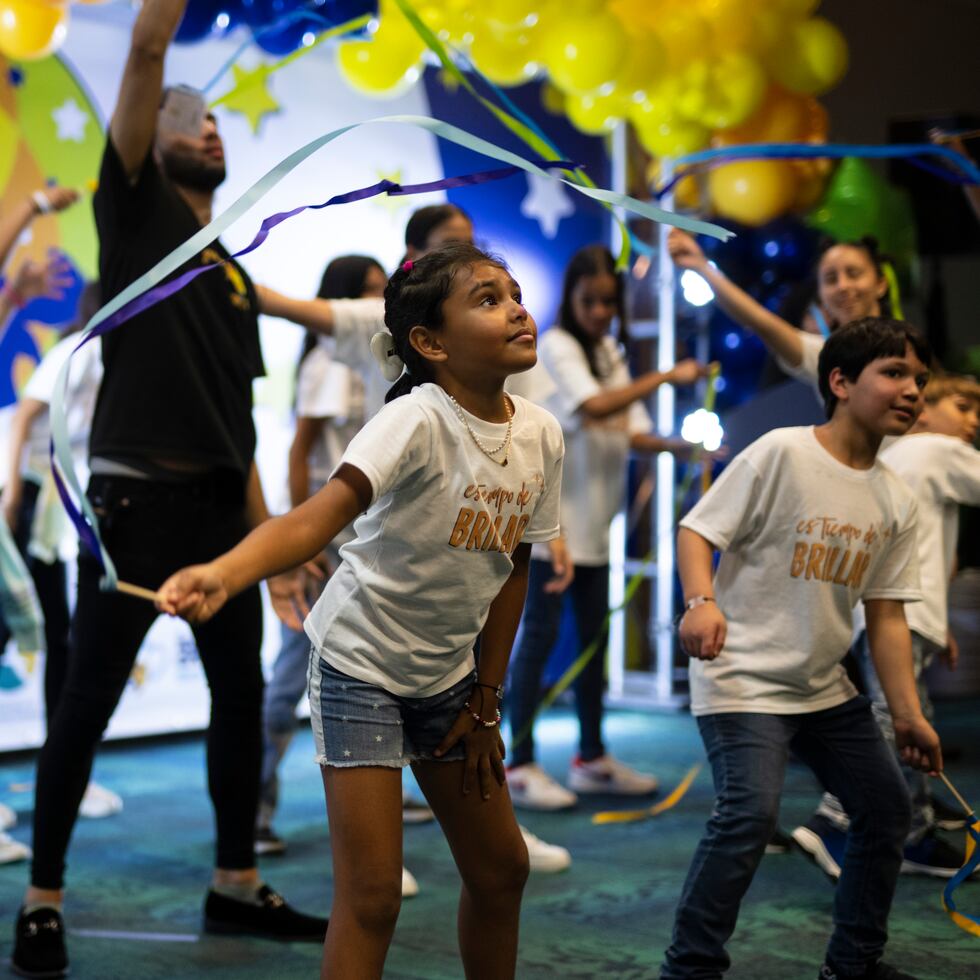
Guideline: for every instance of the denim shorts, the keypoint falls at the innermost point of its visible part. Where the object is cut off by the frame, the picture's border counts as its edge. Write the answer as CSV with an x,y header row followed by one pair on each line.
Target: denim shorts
x,y
358,724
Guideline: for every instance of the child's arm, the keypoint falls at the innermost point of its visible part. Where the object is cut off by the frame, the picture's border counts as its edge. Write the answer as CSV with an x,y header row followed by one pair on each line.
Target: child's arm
x,y
612,400
562,565
780,337
484,746
314,314
28,409
24,211
645,442
277,545
703,629
891,652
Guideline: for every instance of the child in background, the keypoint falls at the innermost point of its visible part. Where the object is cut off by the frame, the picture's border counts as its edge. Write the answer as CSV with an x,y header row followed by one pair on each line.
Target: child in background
x,y
329,413
938,463
583,380
809,522
458,479
850,285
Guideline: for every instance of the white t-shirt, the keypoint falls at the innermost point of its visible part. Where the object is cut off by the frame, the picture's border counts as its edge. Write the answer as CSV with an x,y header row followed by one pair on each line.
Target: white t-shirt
x,y
808,368
433,550
355,322
596,450
942,472
83,387
326,389
803,537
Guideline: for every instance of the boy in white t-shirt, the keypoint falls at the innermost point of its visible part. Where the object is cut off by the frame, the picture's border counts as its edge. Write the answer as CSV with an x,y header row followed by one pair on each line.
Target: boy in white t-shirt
x,y
939,464
809,523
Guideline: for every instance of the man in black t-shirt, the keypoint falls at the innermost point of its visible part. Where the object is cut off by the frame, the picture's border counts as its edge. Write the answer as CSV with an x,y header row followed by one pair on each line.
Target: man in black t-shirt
x,y
173,483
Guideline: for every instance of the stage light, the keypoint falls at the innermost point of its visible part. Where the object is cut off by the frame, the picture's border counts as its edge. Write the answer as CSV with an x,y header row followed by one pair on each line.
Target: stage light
x,y
704,428
695,287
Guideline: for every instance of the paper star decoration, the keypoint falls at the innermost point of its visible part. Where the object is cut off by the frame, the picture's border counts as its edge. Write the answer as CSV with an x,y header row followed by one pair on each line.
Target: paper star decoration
x,y
547,203
71,121
250,95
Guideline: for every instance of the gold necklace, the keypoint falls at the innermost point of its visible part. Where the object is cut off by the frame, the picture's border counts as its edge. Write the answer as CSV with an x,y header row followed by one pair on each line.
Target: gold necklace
x,y
504,446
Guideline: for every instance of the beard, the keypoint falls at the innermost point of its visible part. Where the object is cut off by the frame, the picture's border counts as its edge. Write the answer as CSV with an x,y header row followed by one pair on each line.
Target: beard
x,y
193,173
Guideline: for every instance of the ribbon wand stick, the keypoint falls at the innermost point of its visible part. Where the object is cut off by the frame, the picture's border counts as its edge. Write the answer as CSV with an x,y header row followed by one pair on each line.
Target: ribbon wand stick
x,y
959,799
136,590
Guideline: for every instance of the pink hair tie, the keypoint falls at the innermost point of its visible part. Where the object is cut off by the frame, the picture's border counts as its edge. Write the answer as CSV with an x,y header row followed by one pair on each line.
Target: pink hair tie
x,y
407,265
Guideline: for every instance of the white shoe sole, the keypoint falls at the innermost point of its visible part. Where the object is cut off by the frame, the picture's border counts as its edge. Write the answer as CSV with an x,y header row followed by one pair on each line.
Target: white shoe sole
x,y
548,807
927,870
813,846
410,887
611,789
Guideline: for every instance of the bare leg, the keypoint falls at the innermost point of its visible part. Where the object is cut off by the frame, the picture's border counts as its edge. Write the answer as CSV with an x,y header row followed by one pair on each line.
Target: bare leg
x,y
492,860
364,809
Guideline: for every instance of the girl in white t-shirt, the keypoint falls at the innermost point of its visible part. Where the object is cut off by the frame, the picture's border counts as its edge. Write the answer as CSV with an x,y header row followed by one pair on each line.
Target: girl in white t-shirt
x,y
583,379
453,480
851,285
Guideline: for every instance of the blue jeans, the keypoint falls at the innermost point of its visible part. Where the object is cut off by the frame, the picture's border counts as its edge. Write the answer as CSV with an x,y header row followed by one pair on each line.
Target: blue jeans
x,y
748,755
589,594
282,693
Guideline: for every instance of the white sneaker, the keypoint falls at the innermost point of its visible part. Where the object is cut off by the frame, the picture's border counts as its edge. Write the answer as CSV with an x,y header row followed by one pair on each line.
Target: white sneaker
x,y
12,850
99,802
415,811
532,788
544,857
410,887
8,818
607,775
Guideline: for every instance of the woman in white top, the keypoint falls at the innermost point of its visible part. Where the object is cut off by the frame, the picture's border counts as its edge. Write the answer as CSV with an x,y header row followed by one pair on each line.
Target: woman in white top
x,y
453,480
583,379
329,413
851,285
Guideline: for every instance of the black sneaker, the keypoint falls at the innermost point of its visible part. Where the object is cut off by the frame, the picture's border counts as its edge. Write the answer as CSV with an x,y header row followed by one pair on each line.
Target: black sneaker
x,y
271,919
267,841
39,944
933,856
948,817
878,971
779,843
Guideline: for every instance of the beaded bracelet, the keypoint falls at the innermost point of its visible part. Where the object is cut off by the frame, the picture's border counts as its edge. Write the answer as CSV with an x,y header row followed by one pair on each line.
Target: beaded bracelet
x,y
477,718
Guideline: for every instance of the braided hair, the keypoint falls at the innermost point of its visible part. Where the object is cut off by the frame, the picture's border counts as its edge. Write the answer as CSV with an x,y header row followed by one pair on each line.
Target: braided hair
x,y
414,297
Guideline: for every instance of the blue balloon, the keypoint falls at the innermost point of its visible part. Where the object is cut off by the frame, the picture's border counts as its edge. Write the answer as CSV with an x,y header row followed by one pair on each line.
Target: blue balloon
x,y
197,22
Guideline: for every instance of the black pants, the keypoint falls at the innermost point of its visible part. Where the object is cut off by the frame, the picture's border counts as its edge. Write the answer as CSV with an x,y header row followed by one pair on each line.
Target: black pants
x,y
151,530
51,587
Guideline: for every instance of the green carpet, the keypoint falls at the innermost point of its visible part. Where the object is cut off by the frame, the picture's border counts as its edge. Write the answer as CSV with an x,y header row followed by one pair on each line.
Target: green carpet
x,y
609,916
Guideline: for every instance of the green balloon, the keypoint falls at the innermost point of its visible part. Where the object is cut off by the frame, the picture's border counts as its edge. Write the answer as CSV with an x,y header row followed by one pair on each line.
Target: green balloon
x,y
859,202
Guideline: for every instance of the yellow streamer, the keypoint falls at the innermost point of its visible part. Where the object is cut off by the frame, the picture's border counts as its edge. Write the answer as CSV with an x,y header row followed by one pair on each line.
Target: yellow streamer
x,y
667,803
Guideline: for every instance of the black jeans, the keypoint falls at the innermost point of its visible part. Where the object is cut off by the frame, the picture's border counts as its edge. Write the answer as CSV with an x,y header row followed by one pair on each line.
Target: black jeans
x,y
589,594
51,586
151,530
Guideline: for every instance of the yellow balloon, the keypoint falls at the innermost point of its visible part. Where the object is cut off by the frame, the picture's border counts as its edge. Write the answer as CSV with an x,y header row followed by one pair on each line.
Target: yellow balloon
x,y
753,192
596,115
643,68
583,53
31,29
553,99
509,13
507,60
723,92
685,36
385,65
660,130
812,57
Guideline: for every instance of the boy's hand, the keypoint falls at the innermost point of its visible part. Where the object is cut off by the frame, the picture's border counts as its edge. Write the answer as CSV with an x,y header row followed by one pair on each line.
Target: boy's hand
x,y
195,593
484,753
684,250
918,744
702,631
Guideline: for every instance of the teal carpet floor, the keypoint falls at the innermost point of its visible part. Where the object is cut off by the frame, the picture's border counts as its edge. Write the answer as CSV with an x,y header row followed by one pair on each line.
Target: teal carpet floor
x,y
137,879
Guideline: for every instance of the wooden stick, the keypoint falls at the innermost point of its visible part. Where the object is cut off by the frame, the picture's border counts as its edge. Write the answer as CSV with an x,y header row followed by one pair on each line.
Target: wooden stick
x,y
959,799
136,590
967,135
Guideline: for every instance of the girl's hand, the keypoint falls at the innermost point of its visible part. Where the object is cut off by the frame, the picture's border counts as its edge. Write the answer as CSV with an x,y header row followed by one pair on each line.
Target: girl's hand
x,y
688,371
293,593
685,251
561,565
702,631
50,279
195,593
484,753
59,198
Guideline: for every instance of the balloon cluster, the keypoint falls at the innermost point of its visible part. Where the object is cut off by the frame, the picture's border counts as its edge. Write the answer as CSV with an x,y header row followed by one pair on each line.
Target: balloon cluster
x,y
31,29
685,73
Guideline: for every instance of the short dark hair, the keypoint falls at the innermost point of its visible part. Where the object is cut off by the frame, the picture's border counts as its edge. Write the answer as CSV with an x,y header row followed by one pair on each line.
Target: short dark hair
x,y
425,220
592,260
854,346
414,297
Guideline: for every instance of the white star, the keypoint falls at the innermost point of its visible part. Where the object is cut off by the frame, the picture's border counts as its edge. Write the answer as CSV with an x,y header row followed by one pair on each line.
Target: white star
x,y
377,738
546,202
346,753
71,121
